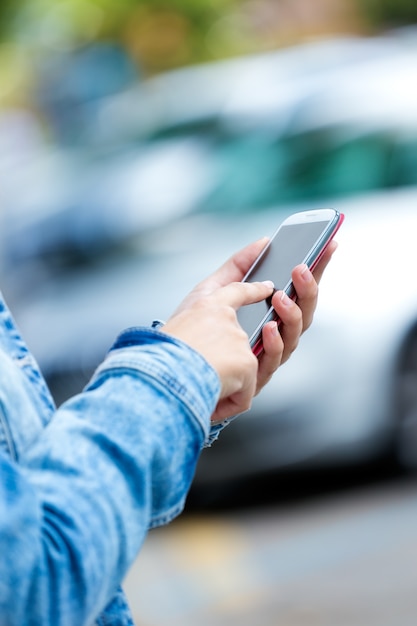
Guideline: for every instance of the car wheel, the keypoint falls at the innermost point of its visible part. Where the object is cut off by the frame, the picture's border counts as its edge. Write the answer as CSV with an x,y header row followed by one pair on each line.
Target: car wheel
x,y
406,406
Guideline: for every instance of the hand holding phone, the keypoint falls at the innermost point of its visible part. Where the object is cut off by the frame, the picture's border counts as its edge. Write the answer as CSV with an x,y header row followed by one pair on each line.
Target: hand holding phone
x,y
301,238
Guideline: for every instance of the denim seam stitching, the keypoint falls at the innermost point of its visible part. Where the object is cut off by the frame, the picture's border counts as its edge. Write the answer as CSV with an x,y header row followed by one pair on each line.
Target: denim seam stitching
x,y
11,448
135,370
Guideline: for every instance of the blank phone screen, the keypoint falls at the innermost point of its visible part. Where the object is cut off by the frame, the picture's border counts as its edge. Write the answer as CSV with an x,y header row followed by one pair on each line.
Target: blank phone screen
x,y
290,247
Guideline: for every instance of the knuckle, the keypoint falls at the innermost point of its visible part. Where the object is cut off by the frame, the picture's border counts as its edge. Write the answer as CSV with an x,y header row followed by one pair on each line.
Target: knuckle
x,y
203,302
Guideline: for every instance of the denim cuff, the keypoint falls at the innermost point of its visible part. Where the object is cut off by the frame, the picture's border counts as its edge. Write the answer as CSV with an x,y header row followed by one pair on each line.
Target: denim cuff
x,y
215,429
195,379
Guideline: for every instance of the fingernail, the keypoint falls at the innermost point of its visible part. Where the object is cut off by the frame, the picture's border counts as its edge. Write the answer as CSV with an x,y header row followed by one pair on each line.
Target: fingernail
x,y
274,329
268,283
306,274
285,299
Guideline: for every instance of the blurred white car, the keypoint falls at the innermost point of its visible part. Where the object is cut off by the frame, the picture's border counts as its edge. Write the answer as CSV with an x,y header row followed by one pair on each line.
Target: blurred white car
x,y
349,393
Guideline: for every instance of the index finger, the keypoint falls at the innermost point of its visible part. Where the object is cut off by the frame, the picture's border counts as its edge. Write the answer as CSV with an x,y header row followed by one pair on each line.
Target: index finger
x,y
240,294
236,267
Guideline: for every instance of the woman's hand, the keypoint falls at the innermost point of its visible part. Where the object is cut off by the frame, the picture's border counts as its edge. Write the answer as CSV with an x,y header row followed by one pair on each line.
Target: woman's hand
x,y
207,321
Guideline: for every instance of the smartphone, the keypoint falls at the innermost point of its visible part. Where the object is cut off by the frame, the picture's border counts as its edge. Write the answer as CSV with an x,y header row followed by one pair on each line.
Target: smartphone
x,y
301,238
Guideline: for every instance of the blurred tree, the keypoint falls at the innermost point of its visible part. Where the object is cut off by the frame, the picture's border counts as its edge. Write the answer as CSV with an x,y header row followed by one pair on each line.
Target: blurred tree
x,y
388,13
7,10
158,33
163,34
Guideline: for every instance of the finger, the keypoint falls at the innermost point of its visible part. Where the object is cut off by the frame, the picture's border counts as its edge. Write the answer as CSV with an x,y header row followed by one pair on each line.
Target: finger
x,y
240,294
291,325
273,350
306,285
324,261
235,404
307,293
236,267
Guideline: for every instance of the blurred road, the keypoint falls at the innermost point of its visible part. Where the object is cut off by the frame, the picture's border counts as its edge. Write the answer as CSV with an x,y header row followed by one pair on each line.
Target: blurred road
x,y
344,557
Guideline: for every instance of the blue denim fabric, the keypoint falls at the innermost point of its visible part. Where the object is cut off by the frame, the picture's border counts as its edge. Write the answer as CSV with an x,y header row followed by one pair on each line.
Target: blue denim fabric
x,y
81,485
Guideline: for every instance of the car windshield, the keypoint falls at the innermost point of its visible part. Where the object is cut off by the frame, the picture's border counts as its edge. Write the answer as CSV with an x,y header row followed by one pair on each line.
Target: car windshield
x,y
253,168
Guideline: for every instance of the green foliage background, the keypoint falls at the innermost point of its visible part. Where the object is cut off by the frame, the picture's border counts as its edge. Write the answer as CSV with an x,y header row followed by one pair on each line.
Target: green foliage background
x,y
162,34
388,13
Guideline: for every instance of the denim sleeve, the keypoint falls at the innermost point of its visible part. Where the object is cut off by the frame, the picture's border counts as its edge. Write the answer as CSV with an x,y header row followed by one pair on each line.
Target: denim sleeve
x,y
115,460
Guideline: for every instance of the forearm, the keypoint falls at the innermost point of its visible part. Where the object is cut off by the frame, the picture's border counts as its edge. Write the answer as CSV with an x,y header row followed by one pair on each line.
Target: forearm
x,y
115,460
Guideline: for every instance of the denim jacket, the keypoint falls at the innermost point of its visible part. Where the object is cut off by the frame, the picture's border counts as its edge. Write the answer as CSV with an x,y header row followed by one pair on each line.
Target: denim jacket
x,y
81,485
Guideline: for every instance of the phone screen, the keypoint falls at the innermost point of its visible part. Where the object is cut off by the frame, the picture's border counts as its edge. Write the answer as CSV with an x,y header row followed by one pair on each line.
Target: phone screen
x,y
289,248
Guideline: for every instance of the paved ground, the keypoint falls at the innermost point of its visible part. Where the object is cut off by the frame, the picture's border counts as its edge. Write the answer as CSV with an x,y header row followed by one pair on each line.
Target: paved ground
x,y
342,560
